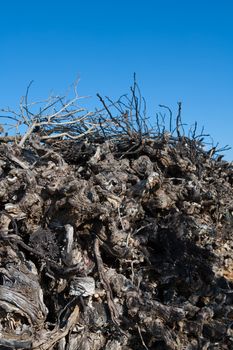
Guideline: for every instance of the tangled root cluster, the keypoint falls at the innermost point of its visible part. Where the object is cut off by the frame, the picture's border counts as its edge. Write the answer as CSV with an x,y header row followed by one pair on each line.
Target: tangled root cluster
x,y
115,244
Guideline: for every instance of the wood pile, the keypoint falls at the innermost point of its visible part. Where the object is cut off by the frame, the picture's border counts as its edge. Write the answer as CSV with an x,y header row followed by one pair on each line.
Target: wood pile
x,y
115,244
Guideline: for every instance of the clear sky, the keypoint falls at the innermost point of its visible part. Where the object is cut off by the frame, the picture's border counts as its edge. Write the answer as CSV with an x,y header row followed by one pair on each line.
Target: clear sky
x,y
180,50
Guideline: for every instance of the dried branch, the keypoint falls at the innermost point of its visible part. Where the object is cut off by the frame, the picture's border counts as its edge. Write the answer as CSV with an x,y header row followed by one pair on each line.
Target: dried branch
x,y
178,121
170,116
60,117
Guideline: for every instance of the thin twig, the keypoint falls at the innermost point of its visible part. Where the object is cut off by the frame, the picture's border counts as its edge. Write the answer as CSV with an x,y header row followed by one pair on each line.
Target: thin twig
x,y
142,340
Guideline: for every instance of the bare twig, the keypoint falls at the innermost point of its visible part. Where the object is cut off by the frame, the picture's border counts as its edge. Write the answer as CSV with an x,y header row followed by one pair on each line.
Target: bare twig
x,y
112,308
142,340
178,120
170,116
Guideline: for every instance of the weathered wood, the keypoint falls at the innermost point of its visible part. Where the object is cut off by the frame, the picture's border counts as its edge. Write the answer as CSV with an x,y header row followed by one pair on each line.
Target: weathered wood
x,y
116,244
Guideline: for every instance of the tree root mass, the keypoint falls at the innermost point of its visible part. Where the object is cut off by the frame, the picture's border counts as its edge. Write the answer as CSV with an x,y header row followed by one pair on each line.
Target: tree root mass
x,y
115,245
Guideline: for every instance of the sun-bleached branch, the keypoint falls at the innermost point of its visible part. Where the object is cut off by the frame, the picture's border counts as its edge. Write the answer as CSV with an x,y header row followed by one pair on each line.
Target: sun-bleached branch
x,y
51,118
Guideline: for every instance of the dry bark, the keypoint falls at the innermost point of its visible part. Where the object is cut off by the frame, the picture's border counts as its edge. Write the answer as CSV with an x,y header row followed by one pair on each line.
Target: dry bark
x,y
108,247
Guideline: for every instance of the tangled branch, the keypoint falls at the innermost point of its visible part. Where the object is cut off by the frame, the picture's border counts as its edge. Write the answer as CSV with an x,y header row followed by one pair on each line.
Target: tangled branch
x,y
62,118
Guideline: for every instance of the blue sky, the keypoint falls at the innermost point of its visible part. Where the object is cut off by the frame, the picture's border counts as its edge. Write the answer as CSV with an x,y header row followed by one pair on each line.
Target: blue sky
x,y
180,50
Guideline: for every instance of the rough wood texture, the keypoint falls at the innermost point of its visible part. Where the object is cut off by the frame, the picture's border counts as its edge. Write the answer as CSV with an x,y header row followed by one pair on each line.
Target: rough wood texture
x,y
106,244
